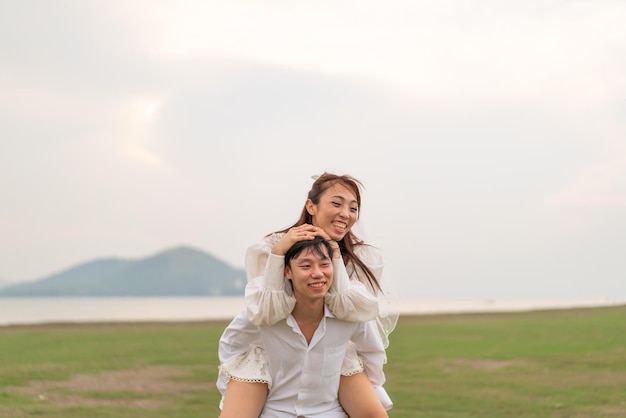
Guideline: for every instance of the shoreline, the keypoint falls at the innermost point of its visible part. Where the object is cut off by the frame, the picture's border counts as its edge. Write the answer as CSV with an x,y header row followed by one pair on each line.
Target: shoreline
x,y
489,305
224,321
91,311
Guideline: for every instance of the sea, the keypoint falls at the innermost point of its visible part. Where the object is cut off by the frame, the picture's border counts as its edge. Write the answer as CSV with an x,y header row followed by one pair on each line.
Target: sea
x,y
41,310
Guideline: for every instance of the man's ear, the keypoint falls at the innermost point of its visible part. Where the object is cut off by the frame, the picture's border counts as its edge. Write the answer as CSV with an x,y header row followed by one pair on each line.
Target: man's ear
x,y
310,207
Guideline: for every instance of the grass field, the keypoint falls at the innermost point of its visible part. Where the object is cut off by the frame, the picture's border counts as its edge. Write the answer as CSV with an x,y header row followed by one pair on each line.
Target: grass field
x,y
562,363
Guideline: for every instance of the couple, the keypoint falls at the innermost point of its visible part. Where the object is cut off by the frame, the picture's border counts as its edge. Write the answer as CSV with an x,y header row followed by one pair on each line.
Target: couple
x,y
312,340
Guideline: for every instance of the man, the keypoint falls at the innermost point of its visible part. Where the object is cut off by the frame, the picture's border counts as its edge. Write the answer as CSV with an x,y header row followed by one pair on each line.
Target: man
x,y
304,352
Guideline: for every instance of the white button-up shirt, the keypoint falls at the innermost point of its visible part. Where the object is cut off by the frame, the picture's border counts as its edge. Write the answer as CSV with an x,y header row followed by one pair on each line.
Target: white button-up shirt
x,y
305,376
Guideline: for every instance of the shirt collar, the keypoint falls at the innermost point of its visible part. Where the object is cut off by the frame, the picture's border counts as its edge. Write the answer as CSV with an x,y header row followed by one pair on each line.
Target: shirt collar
x,y
327,312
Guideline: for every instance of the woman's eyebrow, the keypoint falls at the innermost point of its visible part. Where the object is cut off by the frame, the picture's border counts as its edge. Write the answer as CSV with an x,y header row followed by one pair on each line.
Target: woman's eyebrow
x,y
343,198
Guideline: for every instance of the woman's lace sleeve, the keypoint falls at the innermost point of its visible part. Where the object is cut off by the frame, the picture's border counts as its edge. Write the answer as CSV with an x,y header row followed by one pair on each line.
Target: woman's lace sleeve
x,y
268,296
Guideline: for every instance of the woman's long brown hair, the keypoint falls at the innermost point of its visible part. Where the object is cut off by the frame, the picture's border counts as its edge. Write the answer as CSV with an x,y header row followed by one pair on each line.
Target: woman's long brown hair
x,y
349,241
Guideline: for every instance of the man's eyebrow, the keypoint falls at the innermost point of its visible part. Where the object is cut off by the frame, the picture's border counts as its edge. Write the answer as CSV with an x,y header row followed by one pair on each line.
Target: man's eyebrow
x,y
303,257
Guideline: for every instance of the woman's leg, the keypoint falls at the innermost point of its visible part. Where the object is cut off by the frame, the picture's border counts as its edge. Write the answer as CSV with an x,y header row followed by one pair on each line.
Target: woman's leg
x,y
358,398
243,399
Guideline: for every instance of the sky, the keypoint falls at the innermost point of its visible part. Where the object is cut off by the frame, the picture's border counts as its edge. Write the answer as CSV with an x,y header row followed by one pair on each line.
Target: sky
x,y
490,136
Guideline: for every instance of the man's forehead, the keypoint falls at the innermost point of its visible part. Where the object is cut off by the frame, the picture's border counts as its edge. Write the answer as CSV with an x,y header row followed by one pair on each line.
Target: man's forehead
x,y
312,253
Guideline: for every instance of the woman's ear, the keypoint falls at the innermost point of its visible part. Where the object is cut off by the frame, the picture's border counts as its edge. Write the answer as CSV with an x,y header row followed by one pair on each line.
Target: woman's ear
x,y
288,273
310,207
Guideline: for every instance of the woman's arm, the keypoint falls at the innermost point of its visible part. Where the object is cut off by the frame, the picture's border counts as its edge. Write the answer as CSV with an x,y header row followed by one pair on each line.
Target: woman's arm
x,y
268,298
349,299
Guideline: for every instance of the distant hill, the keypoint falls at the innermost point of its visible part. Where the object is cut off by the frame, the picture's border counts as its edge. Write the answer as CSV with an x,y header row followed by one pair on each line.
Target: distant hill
x,y
4,282
181,271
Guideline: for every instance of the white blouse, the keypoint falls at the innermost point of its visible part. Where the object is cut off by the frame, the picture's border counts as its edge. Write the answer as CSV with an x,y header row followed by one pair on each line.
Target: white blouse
x,y
269,297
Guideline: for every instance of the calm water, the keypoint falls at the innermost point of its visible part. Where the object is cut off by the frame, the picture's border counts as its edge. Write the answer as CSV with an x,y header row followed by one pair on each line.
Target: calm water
x,y
49,310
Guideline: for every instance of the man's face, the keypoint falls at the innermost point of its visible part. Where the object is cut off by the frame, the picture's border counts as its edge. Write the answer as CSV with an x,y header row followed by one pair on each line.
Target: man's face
x,y
311,274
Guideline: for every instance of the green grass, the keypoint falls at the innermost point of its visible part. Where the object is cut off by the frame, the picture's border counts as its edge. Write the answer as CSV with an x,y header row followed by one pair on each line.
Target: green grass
x,y
563,363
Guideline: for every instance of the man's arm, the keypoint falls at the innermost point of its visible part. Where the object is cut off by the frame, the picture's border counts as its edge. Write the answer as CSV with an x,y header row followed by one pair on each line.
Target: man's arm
x,y
237,338
370,348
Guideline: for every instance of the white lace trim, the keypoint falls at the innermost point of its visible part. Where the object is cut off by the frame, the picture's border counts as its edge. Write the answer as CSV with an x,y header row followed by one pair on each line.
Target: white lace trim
x,y
353,371
249,367
240,379
352,362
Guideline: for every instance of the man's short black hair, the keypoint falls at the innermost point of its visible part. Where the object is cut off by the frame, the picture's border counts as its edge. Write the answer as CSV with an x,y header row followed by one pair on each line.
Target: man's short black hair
x,y
317,245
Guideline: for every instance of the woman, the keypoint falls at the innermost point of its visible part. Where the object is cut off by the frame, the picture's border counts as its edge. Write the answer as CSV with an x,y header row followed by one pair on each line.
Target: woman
x,y
330,211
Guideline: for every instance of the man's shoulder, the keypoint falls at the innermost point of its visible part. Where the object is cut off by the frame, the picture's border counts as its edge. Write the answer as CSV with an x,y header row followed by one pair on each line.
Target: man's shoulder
x,y
346,326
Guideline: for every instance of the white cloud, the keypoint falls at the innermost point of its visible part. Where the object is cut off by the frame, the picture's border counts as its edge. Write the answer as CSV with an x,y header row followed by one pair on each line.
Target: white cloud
x,y
135,125
563,52
602,184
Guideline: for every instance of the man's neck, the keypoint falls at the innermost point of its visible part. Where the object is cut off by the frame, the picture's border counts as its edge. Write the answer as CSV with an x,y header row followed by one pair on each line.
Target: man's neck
x,y
308,315
308,311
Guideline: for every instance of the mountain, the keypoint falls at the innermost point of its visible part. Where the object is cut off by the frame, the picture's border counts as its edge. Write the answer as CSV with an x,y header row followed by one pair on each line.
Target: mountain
x,y
181,271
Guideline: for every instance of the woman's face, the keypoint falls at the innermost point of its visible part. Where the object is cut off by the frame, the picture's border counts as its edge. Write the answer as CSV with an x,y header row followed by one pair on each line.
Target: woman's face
x,y
336,212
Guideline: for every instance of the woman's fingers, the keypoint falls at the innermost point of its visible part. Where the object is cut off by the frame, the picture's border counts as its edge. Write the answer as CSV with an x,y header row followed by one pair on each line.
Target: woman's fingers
x,y
307,231
301,232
